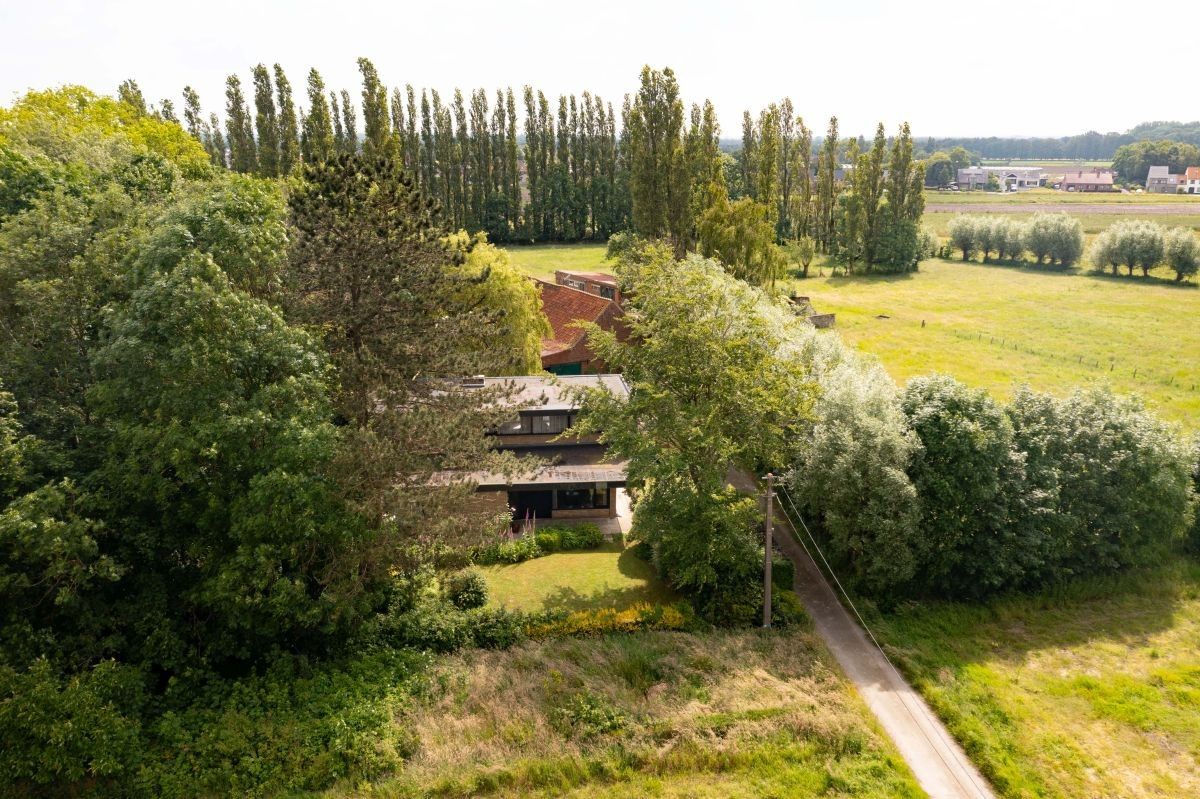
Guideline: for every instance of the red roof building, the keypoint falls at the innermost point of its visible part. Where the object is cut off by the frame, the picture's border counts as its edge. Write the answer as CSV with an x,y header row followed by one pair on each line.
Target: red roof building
x,y
602,284
566,352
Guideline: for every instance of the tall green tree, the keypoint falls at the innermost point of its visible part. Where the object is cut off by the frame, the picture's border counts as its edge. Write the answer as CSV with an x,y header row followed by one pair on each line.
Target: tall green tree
x,y
317,140
824,227
239,136
349,124
659,181
289,129
266,122
376,133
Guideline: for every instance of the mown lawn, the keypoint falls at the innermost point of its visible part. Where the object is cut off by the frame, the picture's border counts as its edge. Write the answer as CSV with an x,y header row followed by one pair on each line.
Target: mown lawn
x,y
999,326
1093,691
724,714
608,577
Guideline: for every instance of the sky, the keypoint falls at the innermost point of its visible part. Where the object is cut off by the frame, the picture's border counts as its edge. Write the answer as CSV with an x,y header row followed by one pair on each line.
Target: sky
x,y
948,67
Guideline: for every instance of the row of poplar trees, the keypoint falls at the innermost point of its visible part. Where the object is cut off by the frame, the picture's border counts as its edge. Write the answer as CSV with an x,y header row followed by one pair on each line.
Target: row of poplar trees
x,y
564,182
526,168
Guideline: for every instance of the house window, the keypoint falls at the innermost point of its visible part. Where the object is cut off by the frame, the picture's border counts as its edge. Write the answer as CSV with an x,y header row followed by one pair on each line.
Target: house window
x,y
608,292
515,427
549,424
583,496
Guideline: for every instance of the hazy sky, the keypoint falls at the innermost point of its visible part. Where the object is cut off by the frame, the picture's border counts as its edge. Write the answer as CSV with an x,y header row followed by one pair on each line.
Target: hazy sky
x,y
950,67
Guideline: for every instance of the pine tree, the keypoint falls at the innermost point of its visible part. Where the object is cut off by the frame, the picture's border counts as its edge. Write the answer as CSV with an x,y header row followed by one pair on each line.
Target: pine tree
x,y
266,122
349,125
242,152
317,141
376,138
289,129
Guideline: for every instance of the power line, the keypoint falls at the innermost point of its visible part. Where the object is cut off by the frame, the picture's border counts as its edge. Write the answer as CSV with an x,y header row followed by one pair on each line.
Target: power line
x,y
942,734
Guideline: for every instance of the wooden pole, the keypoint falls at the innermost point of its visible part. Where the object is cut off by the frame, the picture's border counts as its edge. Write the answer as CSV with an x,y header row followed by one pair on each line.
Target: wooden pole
x,y
768,546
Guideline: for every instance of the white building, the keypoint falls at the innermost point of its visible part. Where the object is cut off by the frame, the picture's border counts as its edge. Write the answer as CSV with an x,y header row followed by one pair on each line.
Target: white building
x,y
1009,178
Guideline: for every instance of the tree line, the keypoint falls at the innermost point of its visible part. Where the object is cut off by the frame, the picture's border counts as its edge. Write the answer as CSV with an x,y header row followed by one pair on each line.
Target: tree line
x,y
1090,146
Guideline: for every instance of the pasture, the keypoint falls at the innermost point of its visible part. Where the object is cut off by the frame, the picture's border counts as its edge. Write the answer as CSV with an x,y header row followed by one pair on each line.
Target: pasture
x,y
1090,691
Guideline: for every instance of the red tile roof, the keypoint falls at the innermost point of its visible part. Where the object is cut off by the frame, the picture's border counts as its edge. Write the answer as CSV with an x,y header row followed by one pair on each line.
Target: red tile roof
x,y
1192,173
564,306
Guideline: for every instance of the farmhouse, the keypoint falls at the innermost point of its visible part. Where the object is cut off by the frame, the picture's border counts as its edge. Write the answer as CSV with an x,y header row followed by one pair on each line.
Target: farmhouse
x,y
1088,180
1009,178
575,480
566,351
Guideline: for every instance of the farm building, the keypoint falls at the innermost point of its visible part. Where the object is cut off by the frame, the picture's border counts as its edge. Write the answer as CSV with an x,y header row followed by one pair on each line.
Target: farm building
x,y
574,479
1009,178
566,352
1189,183
1160,180
1088,180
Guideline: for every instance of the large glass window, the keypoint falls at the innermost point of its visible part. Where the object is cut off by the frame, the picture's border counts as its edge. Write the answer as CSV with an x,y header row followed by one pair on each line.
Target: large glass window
x,y
584,496
515,427
608,292
549,424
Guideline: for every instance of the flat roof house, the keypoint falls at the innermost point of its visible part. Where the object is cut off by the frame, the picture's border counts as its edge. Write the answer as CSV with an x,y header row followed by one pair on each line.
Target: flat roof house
x,y
575,479
1088,180
566,351
1160,180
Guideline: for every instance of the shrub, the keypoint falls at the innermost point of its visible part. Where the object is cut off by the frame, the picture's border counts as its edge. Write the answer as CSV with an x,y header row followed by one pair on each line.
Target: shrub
x,y
609,620
496,628
549,540
586,536
1130,243
1057,238
467,589
782,572
787,610
517,550
586,715
964,236
1182,252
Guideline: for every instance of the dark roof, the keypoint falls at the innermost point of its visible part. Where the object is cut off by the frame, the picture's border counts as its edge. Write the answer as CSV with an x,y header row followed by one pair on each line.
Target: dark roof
x,y
565,306
548,392
578,464
599,277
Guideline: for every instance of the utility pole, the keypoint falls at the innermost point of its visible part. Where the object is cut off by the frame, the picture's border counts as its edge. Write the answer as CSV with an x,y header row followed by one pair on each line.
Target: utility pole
x,y
768,546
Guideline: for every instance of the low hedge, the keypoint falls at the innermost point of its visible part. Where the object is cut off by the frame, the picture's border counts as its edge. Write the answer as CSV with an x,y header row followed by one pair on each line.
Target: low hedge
x,y
552,538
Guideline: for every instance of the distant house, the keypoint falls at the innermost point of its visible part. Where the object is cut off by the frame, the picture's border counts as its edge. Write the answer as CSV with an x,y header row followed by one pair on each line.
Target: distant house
x,y
1088,180
601,284
575,479
1160,180
1190,182
566,352
1008,178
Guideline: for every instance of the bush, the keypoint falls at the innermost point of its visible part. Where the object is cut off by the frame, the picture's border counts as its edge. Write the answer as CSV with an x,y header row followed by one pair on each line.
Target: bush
x,y
964,235
678,616
787,610
1130,243
496,628
782,572
1182,252
549,540
518,550
1057,238
467,589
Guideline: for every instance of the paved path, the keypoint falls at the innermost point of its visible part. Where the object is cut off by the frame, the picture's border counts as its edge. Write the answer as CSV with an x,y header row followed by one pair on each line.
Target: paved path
x,y
942,768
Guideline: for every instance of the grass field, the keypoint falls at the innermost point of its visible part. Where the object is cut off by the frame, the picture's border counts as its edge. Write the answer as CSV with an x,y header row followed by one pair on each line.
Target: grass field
x,y
1055,197
998,326
1093,692
609,577
724,714
541,260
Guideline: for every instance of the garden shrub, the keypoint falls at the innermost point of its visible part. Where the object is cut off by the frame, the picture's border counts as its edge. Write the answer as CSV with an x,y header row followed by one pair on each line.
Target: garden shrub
x,y
549,540
517,550
600,621
496,628
467,589
787,610
782,572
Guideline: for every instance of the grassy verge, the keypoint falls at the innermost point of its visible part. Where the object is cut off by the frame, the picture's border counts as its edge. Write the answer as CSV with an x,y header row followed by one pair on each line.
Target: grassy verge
x,y
540,260
1090,691
727,714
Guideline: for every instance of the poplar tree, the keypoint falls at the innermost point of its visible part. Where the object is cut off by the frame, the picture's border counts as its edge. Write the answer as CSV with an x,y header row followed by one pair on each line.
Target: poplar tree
x,y
131,94
375,111
193,117
428,175
412,142
767,179
317,141
289,132
786,169
239,136
349,125
749,156
827,189
868,189
512,170
216,143
801,211
266,122
397,141
659,181
339,135
166,110
704,160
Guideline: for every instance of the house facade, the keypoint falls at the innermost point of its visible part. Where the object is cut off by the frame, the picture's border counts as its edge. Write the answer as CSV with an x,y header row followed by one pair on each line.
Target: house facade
x,y
566,351
1088,180
601,284
1009,178
1190,182
1160,180
570,477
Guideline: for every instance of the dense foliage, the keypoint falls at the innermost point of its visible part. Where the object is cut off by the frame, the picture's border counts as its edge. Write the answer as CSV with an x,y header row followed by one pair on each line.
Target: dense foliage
x,y
1132,162
1054,239
1088,146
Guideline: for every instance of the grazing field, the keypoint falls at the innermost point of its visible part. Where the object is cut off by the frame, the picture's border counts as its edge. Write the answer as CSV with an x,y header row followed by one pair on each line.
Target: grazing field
x,y
999,326
1056,197
1093,691
609,577
540,260
725,714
